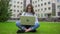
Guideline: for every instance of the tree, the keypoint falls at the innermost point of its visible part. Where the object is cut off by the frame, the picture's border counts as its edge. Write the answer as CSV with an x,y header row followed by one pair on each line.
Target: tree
x,y
4,10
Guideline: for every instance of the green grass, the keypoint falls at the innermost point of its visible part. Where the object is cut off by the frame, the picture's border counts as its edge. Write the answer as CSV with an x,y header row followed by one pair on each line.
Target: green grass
x,y
45,28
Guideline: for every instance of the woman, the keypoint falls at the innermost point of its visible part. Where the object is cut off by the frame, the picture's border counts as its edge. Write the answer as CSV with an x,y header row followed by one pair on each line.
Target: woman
x,y
29,12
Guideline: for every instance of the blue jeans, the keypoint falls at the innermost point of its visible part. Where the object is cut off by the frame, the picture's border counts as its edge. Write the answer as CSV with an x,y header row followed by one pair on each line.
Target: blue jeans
x,y
23,27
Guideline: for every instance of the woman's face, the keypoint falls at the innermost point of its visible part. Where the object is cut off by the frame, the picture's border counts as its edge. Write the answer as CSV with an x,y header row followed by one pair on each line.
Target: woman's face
x,y
29,8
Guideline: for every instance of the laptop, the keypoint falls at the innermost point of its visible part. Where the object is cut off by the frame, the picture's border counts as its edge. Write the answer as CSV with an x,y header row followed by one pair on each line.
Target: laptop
x,y
27,20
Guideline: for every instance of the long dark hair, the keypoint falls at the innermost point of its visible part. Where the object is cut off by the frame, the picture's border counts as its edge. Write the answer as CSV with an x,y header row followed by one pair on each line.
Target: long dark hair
x,y
32,10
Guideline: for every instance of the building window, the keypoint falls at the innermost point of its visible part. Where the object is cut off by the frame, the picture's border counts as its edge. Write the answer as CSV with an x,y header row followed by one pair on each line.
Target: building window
x,y
53,9
17,6
14,10
14,6
38,9
58,6
35,1
17,10
49,8
38,15
21,2
13,15
48,2
35,5
41,0
45,3
41,9
41,15
38,5
38,0
58,13
10,9
45,15
14,1
58,0
45,8
21,11
10,4
17,2
21,6
41,4
10,0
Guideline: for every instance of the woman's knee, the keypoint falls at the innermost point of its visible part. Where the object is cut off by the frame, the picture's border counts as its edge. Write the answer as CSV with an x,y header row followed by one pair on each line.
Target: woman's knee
x,y
17,23
37,25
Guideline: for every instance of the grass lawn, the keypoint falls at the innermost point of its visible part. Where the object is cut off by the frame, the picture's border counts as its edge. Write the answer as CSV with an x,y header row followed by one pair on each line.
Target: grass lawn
x,y
45,28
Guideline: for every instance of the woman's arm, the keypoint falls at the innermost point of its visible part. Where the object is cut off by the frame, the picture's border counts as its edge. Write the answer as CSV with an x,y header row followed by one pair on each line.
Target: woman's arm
x,y
21,14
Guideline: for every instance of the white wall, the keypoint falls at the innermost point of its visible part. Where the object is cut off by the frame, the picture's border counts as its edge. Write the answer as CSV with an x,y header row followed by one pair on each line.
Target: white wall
x,y
14,2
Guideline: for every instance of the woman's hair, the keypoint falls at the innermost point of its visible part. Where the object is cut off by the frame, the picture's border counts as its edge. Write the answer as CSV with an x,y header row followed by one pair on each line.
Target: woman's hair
x,y
32,10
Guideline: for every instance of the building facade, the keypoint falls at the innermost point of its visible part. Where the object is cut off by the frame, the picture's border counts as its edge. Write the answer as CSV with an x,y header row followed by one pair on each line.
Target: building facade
x,y
42,8
46,8
16,6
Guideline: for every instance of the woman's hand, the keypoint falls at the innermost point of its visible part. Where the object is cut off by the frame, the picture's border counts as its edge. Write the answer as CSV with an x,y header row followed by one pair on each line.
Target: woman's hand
x,y
27,30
